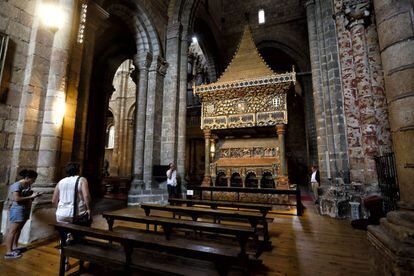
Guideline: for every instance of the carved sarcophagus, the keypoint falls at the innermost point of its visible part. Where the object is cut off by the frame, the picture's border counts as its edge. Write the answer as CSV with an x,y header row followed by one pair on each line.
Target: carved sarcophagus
x,y
252,162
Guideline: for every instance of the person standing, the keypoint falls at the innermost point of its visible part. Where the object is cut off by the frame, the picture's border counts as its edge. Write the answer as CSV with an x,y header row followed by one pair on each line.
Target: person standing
x,y
21,197
64,195
172,181
315,180
64,198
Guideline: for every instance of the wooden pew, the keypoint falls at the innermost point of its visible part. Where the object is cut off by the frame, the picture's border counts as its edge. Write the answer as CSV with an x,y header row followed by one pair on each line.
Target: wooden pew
x,y
217,215
124,257
241,233
238,190
263,208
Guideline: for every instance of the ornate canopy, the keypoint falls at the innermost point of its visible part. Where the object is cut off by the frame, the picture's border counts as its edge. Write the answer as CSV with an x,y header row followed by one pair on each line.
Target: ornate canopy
x,y
248,93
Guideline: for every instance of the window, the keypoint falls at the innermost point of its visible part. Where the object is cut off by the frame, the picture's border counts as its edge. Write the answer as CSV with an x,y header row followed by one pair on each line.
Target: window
x,y
111,137
261,16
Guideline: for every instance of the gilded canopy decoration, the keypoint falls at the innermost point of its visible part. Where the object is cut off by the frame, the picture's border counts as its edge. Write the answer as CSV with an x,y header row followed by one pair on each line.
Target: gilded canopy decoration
x,y
248,94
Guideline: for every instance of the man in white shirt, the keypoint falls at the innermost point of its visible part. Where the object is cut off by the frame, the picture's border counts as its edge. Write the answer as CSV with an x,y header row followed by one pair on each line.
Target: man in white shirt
x,y
315,179
172,181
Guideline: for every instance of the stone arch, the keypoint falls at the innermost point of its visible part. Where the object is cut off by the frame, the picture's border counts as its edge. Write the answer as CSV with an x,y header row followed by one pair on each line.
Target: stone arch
x,y
208,45
302,60
139,23
184,12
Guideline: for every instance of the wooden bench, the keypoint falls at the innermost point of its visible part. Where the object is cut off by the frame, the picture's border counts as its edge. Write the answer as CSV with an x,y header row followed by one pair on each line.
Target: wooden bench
x,y
241,233
238,190
217,215
134,250
262,208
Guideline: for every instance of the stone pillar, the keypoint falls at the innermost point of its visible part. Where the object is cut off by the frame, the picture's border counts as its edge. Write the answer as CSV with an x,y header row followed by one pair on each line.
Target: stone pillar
x,y
171,91
281,131
152,136
207,177
75,131
393,239
47,84
182,110
333,157
142,62
357,17
317,79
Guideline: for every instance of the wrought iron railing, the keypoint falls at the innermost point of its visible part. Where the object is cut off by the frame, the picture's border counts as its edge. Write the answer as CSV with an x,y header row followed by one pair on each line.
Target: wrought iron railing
x,y
387,180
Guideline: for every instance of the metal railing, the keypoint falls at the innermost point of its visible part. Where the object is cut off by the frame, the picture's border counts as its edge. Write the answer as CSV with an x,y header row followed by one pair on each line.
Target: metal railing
x,y
387,180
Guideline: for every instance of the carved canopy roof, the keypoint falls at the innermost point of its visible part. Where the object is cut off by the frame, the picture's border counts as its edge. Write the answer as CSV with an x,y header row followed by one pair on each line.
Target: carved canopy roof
x,y
248,94
246,69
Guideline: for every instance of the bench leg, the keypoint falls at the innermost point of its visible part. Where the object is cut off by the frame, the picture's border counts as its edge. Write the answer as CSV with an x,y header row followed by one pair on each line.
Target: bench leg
x,y
222,267
62,263
81,267
242,242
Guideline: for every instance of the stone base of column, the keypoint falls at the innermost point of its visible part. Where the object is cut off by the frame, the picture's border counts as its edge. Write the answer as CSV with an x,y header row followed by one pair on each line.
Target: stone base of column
x,y
38,226
137,186
159,196
393,244
206,181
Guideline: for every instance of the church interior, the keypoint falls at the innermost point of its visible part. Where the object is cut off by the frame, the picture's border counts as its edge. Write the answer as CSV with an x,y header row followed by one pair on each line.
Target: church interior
x,y
216,137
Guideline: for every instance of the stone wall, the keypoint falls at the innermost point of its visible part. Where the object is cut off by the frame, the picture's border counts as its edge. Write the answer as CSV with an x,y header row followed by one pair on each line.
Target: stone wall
x,y
16,20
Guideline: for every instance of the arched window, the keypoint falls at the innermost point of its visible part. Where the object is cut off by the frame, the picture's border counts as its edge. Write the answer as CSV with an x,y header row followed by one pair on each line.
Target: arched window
x,y
111,137
261,16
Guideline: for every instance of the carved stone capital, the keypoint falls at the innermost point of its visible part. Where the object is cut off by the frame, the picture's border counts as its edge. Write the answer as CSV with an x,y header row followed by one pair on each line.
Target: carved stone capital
x,y
159,65
143,60
207,133
357,12
281,129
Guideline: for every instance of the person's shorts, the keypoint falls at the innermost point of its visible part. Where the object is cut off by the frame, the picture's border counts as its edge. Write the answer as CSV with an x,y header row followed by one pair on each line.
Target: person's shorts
x,y
19,214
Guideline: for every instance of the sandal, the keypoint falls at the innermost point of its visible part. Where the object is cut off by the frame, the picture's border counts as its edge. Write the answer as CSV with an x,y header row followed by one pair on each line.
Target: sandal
x,y
12,255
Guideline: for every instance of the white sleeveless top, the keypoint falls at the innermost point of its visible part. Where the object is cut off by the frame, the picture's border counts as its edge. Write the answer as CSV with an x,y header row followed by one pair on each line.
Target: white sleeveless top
x,y
66,188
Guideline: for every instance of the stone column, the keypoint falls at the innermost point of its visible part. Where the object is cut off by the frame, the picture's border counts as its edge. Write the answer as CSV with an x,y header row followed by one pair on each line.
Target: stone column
x,y
393,239
182,110
96,16
333,157
43,104
319,105
155,86
171,90
281,131
357,17
207,177
142,62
